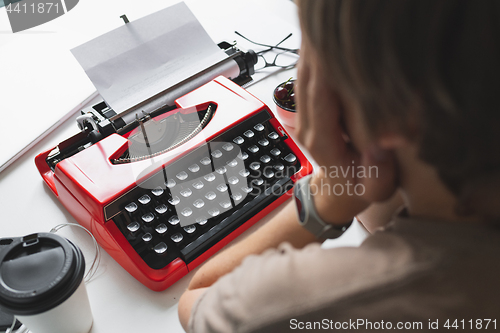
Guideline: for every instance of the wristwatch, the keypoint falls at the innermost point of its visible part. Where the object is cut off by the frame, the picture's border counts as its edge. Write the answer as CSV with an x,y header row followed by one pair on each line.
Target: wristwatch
x,y
308,216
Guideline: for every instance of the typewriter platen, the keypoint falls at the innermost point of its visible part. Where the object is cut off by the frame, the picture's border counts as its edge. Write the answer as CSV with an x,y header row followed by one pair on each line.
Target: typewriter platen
x,y
163,194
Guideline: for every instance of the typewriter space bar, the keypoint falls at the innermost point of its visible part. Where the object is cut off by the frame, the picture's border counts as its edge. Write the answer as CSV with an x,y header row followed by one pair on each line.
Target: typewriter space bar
x,y
226,226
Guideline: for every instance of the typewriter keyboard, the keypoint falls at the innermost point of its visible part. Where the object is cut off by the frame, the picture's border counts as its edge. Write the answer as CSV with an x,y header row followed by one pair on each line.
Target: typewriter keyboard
x,y
197,200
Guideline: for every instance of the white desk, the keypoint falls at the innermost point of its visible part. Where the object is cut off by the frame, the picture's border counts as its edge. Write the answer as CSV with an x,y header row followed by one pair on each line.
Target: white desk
x,y
119,302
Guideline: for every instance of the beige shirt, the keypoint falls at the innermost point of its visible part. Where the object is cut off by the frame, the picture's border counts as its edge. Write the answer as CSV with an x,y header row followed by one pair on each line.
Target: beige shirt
x,y
415,272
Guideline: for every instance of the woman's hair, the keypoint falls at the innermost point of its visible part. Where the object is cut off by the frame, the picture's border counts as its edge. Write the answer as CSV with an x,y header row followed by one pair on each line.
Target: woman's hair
x,y
433,61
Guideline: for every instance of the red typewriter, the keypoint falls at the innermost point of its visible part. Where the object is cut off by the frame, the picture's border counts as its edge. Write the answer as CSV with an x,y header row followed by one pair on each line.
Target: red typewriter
x,y
168,190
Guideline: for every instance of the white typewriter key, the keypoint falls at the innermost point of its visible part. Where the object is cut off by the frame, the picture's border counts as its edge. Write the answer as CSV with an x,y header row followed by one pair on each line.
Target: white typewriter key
x,y
232,163
214,212
174,220
145,199
227,147
157,191
186,193
205,161
133,227
201,220
259,127
210,177
275,151
174,200
221,170
217,153
148,217
186,212
237,196
244,173
258,181
243,155
290,158
210,195
190,229
238,140
247,189
170,183
253,149
131,207
199,203
160,248
177,237
268,173
249,134
194,168
161,228
222,187
255,165
265,159
225,204
161,209
198,185
147,237
279,167
182,175
264,142
233,180
273,135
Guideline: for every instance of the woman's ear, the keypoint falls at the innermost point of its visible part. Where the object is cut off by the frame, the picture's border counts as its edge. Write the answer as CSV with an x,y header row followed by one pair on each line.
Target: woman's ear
x,y
380,165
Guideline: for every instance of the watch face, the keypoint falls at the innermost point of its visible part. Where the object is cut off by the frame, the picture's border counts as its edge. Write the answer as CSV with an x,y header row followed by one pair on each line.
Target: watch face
x,y
298,202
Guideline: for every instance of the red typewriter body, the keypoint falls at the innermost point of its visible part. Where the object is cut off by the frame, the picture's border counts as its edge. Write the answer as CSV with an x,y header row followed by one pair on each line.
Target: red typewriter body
x,y
143,221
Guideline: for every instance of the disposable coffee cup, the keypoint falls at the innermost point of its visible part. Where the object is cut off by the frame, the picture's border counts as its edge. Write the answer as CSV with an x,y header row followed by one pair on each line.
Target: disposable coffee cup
x,y
41,284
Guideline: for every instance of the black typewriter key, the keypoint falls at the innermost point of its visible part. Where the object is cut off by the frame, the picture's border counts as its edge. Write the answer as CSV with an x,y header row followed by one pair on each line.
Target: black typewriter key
x,y
263,142
161,209
198,185
174,200
275,152
243,155
237,196
198,203
190,229
149,217
147,237
222,170
160,248
201,220
177,237
174,220
227,147
186,192
249,134
170,183
225,204
233,180
145,199
255,166
209,177
133,226
238,140
210,195
157,191
247,189
131,207
222,187
161,229
217,153
265,159
214,212
290,158
258,181
273,135
232,163
182,175
194,168
279,167
186,212
259,127
205,161
268,173
244,173
253,149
